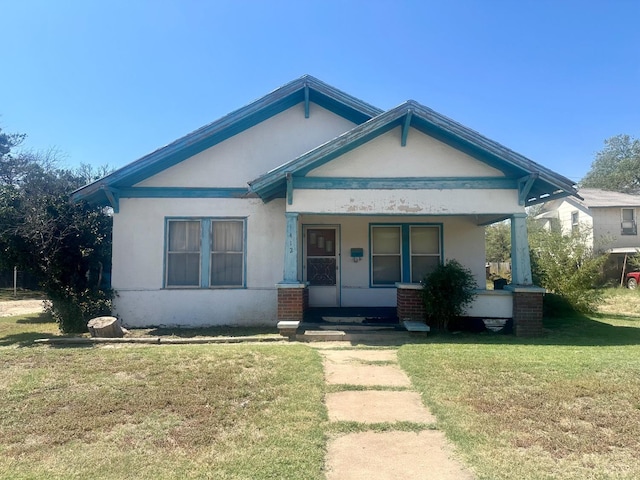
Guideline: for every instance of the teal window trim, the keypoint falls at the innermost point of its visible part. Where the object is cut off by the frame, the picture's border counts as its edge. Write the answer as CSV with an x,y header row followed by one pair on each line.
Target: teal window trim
x,y
206,239
405,249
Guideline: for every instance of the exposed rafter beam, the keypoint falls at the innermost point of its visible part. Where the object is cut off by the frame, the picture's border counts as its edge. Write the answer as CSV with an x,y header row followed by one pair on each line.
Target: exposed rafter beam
x,y
113,196
524,187
306,101
405,128
547,198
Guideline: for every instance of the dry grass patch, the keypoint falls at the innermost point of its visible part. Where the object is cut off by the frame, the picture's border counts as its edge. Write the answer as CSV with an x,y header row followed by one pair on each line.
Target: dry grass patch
x,y
621,302
198,411
566,406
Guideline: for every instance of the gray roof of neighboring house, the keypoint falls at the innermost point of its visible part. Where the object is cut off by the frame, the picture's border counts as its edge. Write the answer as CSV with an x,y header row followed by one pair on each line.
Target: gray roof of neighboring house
x,y
594,198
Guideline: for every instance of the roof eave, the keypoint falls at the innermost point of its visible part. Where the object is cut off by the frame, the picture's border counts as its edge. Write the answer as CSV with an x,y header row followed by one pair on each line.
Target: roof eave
x,y
271,104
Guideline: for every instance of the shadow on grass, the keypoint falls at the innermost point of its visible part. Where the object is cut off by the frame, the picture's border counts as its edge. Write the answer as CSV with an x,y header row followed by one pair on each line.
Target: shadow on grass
x,y
25,339
36,318
576,329
205,332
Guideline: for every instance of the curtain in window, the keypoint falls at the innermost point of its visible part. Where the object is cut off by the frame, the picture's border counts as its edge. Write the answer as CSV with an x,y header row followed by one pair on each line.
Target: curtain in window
x,y
227,252
183,255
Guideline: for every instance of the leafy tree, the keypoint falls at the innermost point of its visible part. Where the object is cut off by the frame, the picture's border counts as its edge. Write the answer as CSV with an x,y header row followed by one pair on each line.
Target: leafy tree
x,y
566,266
498,242
66,246
616,167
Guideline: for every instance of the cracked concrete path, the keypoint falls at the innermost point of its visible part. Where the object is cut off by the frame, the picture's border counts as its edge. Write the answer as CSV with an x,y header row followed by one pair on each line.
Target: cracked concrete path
x,y
386,398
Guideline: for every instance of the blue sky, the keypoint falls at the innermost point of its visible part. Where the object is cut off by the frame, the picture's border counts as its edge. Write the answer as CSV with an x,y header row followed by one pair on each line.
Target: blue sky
x,y
109,81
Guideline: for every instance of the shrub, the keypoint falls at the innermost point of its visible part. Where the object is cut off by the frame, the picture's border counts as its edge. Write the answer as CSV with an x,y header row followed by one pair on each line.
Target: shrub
x,y
567,266
447,292
73,310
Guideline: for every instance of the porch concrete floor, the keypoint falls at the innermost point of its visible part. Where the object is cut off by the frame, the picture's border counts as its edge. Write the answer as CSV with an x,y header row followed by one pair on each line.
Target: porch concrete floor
x,y
369,455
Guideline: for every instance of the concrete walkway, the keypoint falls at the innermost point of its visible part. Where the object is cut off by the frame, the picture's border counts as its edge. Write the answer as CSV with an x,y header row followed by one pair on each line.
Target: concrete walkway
x,y
375,390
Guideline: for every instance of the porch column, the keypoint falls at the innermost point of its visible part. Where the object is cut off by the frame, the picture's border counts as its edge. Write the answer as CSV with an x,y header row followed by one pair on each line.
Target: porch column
x,y
293,295
527,298
520,260
291,249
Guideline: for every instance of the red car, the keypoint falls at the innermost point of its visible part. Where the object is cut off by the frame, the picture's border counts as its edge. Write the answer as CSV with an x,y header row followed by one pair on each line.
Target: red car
x,y
633,279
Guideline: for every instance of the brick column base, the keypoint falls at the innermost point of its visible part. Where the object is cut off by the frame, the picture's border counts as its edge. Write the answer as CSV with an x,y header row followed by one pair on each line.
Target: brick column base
x,y
527,311
293,300
409,302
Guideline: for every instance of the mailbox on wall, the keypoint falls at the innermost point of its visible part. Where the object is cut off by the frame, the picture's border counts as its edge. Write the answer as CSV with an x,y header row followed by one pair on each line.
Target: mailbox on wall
x,y
357,254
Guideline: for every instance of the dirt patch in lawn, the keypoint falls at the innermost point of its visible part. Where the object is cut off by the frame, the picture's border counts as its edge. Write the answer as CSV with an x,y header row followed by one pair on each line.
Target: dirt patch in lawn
x,y
13,308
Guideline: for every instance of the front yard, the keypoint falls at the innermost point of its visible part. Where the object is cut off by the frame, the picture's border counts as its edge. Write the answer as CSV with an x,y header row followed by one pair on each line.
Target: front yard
x,y
565,406
194,411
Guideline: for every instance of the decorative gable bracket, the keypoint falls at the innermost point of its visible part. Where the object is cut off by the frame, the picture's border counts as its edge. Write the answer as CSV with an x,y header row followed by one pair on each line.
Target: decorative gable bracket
x,y
113,196
405,128
524,187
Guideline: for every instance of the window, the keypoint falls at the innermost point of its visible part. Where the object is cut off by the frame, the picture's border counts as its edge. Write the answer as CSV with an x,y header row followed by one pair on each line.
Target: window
x,y
575,222
403,253
425,251
629,226
386,259
227,253
205,252
183,254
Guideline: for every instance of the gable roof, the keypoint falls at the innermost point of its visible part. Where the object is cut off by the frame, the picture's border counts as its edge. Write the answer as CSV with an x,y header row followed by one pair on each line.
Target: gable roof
x,y
595,197
304,89
535,182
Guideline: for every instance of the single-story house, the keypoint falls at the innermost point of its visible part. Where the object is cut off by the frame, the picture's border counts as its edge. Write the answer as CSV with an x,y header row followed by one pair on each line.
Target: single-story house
x,y
309,197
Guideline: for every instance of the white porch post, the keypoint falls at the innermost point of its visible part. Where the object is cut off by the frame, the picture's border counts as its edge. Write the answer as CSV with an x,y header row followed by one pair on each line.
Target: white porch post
x,y
520,260
291,249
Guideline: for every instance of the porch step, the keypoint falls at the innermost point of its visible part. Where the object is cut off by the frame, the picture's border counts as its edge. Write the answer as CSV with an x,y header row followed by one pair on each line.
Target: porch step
x,y
322,335
355,336
413,326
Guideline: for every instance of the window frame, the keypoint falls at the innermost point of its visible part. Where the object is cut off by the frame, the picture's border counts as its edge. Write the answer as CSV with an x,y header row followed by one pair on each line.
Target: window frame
x,y
206,253
405,250
634,223
575,221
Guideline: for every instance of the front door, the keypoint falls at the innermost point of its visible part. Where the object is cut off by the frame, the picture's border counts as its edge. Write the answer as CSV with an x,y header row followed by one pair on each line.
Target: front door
x,y
321,265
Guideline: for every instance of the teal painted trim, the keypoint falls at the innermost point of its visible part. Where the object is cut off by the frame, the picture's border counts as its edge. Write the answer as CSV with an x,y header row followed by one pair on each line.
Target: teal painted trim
x,y
113,197
430,123
205,252
306,101
405,248
405,273
182,192
405,128
206,237
520,257
290,274
165,253
408,183
289,189
524,187
279,100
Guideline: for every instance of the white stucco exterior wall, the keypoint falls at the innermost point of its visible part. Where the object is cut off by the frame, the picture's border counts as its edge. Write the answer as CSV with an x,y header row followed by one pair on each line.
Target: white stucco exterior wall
x,y
423,156
463,240
139,259
406,202
607,228
255,151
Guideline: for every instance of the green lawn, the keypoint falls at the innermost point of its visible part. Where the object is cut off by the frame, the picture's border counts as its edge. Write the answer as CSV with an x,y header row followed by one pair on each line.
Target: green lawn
x,y
153,412
565,406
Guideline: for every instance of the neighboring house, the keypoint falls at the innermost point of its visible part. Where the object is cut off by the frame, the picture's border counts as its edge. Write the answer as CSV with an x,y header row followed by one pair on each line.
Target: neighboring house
x,y
309,197
610,218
